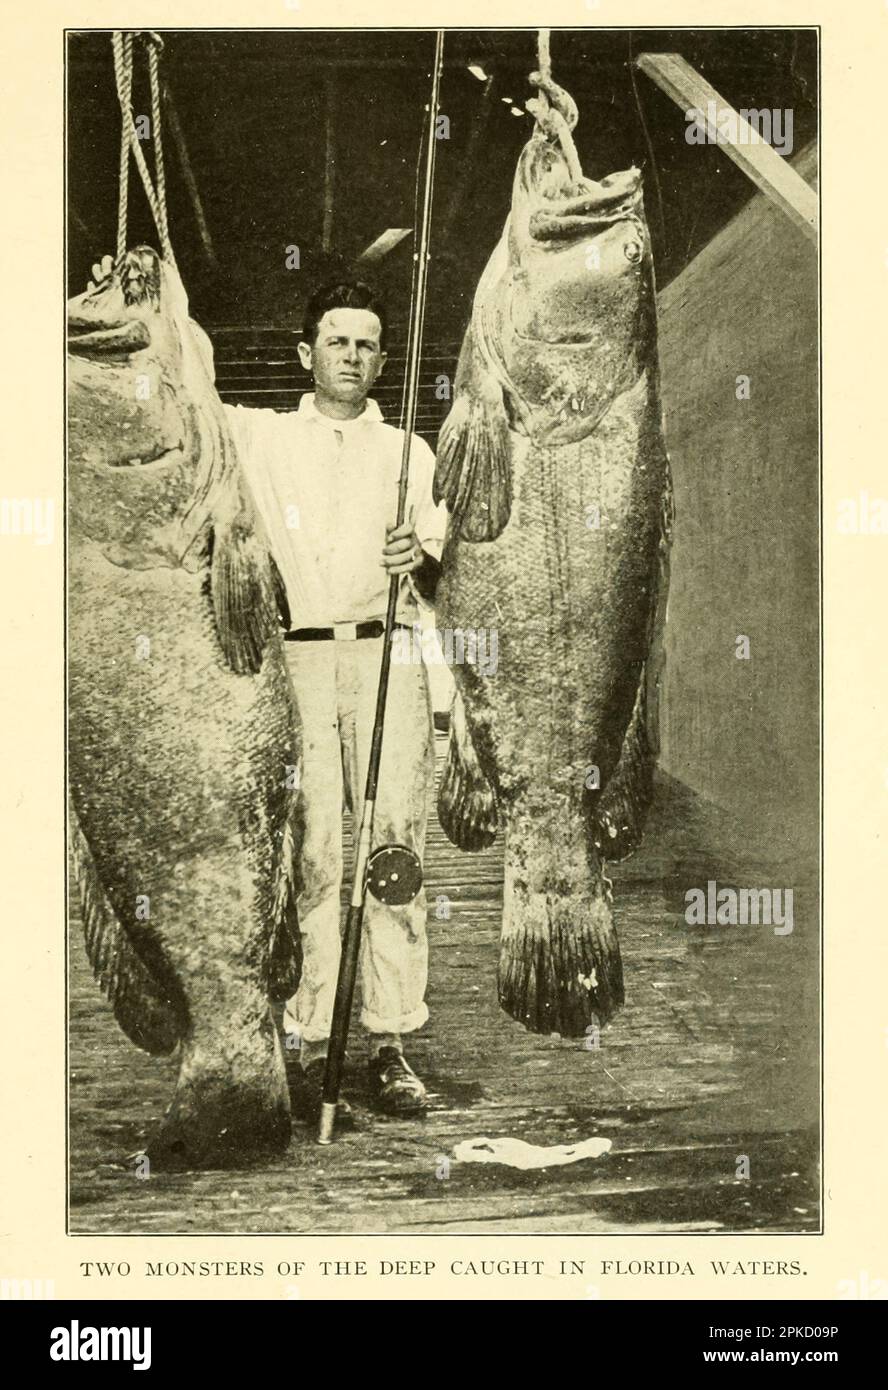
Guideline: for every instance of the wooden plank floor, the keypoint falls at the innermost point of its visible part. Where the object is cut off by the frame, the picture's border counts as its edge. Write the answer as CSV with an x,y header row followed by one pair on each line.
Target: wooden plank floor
x,y
715,1057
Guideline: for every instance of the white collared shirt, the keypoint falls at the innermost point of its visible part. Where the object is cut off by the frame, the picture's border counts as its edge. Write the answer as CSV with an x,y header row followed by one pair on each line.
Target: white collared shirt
x,y
326,490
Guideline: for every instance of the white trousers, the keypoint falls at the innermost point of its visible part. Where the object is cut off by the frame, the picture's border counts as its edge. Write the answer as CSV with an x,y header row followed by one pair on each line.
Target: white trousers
x,y
335,684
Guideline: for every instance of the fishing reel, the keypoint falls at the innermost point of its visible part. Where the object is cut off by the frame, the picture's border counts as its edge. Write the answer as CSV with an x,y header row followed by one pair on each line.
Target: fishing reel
x,y
394,875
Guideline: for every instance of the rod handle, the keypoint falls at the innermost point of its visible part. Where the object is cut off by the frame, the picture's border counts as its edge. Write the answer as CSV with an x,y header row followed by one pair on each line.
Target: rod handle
x,y
327,1124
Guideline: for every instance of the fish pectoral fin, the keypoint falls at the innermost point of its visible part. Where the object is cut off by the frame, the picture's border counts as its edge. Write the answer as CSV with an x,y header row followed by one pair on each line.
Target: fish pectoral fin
x,y
149,1014
473,475
467,807
245,600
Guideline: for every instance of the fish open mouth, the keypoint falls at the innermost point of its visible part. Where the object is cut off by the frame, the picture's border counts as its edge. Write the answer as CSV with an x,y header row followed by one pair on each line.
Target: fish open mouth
x,y
560,203
86,338
596,205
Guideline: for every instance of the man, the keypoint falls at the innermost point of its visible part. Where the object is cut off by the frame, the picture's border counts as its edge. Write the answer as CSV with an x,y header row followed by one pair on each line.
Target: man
x,y
325,482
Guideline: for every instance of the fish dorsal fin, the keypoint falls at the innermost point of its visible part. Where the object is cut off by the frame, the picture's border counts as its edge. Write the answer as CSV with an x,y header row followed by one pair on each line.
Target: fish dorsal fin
x,y
473,475
622,808
148,1013
467,807
621,811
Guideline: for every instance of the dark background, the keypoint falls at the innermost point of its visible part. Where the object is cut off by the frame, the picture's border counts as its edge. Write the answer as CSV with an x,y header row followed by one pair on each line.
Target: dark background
x,y
261,112
253,108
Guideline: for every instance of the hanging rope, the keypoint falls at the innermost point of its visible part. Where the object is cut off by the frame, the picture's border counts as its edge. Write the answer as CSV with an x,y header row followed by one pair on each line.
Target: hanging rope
x,y
155,47
544,56
123,76
555,109
130,143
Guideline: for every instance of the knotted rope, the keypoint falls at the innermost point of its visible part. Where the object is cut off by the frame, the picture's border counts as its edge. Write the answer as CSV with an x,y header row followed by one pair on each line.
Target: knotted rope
x,y
123,76
155,47
554,109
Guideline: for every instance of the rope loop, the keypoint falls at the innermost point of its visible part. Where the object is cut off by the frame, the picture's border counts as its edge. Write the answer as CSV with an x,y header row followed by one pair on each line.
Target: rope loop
x,y
554,109
122,45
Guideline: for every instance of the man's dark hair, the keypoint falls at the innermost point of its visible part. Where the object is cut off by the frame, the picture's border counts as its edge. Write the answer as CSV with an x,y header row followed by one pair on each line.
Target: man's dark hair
x,y
342,294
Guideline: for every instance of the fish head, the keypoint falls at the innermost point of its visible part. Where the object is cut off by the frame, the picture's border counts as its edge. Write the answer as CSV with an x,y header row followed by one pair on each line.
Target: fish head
x,y
140,452
569,312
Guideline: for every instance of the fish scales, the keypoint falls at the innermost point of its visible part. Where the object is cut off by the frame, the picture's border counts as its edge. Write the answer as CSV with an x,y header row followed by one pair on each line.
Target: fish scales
x,y
182,725
553,466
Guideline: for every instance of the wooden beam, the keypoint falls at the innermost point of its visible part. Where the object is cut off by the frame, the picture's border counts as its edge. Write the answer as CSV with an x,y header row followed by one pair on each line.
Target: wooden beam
x,y
773,174
384,243
178,135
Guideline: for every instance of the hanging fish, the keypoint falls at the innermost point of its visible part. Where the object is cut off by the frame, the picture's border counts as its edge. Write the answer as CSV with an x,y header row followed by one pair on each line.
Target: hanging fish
x,y
553,466
181,721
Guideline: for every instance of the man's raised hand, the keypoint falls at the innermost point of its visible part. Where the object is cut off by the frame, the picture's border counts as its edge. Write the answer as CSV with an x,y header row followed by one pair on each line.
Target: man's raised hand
x,y
102,270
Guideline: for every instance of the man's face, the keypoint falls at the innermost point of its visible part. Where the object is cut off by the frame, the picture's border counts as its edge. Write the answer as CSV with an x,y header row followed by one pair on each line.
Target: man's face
x,y
346,357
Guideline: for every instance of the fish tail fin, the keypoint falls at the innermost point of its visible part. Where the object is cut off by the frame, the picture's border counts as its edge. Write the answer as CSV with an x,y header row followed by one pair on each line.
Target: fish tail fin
x,y
150,1012
473,473
560,969
231,1105
466,800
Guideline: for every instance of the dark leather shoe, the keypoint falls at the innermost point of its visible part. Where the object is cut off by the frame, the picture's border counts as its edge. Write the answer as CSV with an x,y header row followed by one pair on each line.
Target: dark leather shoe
x,y
307,1103
398,1089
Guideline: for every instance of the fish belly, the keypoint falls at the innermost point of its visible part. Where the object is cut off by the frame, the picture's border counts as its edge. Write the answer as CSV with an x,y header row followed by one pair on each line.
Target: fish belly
x,y
178,778
569,588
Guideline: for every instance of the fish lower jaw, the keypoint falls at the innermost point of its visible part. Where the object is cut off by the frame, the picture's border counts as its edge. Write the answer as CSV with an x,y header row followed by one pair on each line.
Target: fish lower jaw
x,y
571,424
231,1105
202,1142
164,459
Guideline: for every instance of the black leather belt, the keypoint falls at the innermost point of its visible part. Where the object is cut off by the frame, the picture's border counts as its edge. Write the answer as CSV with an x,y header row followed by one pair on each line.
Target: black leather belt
x,y
347,632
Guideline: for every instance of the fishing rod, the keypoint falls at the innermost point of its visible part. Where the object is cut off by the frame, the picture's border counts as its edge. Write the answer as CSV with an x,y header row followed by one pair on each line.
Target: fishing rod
x,y
395,871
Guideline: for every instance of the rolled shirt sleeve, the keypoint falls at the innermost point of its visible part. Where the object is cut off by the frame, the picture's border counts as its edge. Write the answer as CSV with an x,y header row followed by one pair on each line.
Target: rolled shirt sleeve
x,y
253,433
238,420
